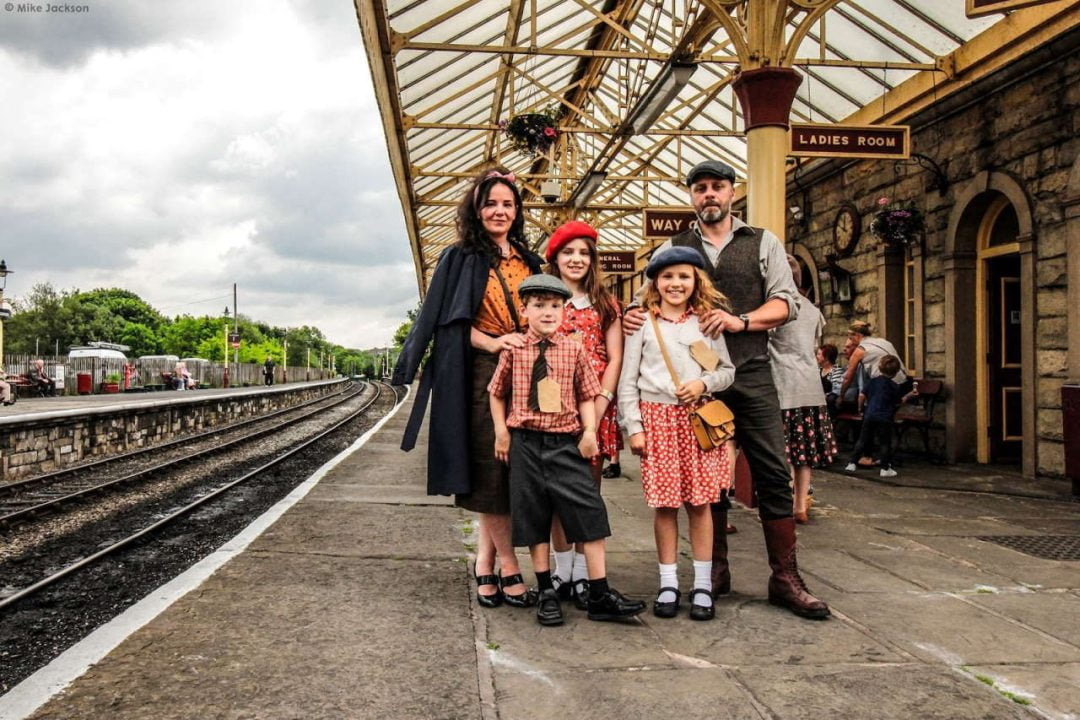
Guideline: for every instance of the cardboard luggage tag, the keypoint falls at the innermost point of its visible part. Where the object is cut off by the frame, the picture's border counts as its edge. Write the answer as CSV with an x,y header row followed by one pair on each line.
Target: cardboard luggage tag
x,y
704,355
549,396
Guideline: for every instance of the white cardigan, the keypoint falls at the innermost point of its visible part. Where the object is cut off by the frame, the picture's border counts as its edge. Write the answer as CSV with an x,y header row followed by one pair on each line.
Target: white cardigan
x,y
645,376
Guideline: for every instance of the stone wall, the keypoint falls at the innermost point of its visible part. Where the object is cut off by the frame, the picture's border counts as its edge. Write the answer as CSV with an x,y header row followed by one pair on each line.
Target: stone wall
x,y
1023,124
44,444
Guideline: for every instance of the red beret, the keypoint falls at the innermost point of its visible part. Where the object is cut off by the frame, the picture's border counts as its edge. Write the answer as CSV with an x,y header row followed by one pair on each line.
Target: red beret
x,y
565,233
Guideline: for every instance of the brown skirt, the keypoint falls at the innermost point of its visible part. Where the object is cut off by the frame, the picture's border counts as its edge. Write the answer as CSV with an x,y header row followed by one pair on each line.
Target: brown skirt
x,y
490,478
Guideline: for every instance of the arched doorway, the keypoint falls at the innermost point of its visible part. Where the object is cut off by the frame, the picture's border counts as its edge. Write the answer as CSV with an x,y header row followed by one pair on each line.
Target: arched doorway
x,y
990,367
999,335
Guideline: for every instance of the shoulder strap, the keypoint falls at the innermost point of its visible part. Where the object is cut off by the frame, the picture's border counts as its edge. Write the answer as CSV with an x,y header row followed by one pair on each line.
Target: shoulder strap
x,y
509,298
663,349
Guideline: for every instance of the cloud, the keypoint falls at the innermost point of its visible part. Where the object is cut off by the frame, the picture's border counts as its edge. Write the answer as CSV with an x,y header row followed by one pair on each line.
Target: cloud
x,y
173,149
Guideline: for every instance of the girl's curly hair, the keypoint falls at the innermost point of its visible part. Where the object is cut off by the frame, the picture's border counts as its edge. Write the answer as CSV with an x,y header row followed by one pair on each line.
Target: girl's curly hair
x,y
704,297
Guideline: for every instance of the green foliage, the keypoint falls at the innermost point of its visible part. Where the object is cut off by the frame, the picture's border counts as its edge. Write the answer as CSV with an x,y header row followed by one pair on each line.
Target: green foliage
x,y
47,316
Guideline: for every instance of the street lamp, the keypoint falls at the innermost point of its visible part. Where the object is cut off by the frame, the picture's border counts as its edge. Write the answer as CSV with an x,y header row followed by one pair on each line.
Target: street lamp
x,y
225,377
5,309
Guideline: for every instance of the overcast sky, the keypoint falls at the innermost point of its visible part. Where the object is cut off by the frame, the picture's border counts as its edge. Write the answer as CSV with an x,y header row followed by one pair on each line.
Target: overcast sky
x,y
174,148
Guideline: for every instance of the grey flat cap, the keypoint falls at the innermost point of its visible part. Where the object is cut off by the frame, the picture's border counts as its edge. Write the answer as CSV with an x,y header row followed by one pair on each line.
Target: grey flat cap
x,y
716,168
543,284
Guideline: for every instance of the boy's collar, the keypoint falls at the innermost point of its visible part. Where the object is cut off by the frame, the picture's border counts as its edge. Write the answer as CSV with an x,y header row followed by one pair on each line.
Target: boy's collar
x,y
532,337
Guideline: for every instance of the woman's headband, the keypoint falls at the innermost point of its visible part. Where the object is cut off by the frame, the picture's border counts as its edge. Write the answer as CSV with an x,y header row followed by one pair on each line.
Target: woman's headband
x,y
491,175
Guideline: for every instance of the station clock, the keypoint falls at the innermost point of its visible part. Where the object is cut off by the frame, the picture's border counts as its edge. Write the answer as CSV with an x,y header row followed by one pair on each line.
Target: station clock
x,y
846,229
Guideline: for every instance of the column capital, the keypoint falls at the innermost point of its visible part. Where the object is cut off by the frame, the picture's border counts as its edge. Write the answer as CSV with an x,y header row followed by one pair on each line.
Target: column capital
x,y
766,94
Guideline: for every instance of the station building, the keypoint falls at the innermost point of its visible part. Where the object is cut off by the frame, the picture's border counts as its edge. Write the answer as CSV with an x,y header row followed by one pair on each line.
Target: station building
x,y
978,296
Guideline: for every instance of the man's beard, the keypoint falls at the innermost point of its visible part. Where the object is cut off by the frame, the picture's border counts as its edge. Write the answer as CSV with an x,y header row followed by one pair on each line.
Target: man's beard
x,y
712,214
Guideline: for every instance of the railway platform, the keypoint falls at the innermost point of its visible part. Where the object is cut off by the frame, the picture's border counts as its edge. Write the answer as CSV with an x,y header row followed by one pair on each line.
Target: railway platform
x,y
353,599
39,435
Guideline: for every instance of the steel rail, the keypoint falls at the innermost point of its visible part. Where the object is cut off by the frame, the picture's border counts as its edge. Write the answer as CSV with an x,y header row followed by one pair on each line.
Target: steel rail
x,y
23,514
120,544
19,485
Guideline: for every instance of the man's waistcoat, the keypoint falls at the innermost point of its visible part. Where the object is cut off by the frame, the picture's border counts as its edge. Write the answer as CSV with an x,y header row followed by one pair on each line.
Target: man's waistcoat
x,y
737,274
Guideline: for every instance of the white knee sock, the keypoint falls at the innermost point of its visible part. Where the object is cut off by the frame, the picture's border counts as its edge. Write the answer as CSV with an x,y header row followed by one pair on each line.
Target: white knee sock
x,y
703,580
669,578
564,562
581,570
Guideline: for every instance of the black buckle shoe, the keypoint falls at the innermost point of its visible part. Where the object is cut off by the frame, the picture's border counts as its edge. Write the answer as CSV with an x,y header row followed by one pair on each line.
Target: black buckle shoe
x,y
666,610
489,601
522,600
579,591
702,612
613,606
563,588
548,610
612,471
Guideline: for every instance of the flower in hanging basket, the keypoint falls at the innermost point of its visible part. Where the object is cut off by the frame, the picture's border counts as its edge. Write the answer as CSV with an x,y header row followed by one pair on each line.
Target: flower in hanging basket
x,y
898,226
533,133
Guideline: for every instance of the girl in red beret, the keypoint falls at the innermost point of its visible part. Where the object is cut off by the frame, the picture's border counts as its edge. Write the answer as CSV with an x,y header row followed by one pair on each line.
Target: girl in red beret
x,y
592,316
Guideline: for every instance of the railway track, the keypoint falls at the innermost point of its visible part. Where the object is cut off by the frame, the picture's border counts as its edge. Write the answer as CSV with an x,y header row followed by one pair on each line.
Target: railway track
x,y
206,495
43,494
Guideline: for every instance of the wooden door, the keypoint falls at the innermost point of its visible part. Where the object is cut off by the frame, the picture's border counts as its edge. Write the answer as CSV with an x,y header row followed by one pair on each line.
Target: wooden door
x,y
1003,358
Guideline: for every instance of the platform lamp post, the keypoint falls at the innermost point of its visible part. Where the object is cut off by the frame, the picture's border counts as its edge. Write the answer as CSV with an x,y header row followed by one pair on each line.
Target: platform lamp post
x,y
5,309
225,377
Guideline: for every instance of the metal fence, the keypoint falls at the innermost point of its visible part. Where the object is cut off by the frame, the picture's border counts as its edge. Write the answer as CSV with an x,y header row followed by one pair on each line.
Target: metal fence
x,y
133,375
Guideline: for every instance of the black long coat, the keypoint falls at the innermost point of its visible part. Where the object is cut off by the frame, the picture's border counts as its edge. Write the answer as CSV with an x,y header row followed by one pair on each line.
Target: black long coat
x,y
446,315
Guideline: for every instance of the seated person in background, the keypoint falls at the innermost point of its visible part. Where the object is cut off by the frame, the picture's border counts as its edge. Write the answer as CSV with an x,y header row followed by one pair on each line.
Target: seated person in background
x,y
5,388
40,379
181,377
832,375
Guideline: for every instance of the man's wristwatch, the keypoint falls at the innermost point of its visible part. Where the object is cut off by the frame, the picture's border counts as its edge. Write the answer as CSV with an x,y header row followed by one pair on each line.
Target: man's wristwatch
x,y
746,322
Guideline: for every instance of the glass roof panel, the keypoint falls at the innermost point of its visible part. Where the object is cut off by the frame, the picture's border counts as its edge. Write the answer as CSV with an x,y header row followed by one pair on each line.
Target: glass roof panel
x,y
455,69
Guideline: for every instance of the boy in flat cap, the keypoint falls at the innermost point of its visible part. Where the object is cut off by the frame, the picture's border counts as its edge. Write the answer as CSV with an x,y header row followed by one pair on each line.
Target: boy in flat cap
x,y
548,439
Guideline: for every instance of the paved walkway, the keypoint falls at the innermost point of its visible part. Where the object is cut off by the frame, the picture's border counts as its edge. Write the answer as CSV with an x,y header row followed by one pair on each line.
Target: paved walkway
x,y
357,603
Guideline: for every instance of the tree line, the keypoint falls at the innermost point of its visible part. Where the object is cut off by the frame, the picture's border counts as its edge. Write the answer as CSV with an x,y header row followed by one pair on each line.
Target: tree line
x,y
47,319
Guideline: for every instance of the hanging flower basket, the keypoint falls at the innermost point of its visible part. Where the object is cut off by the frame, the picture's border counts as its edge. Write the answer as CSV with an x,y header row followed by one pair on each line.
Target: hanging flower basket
x,y
899,226
533,133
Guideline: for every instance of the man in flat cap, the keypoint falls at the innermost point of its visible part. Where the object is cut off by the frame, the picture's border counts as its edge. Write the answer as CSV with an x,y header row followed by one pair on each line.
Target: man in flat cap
x,y
749,265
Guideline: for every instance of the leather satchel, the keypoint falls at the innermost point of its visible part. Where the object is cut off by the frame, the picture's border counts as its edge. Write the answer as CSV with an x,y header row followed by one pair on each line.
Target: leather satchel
x,y
713,423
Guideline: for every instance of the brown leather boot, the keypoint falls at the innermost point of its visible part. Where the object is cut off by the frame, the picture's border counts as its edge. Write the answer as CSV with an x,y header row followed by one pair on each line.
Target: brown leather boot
x,y
721,572
786,586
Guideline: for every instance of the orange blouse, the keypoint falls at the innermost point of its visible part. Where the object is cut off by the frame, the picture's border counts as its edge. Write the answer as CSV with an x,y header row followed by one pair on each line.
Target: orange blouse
x,y
494,318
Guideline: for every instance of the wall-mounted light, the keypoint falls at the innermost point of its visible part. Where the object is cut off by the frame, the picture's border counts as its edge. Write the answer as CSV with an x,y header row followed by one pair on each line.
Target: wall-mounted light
x,y
841,281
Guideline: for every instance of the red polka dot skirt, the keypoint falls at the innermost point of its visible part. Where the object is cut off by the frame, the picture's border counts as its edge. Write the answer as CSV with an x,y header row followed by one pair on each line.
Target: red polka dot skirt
x,y
675,470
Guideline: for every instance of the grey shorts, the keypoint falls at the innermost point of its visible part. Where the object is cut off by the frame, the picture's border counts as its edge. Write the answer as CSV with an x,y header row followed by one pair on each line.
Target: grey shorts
x,y
549,477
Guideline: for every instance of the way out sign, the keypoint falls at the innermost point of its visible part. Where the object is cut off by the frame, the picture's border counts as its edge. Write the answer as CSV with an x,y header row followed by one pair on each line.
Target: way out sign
x,y
884,142
664,222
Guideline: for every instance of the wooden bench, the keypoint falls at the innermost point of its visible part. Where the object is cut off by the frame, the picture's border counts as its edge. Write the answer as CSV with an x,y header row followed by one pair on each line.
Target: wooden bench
x,y
917,413
23,386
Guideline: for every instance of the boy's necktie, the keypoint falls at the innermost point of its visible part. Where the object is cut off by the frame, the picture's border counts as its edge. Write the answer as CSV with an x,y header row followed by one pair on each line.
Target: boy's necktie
x,y
539,372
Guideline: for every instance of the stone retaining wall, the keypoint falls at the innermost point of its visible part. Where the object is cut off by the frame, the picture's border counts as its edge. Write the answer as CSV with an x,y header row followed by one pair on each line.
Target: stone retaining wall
x,y
42,445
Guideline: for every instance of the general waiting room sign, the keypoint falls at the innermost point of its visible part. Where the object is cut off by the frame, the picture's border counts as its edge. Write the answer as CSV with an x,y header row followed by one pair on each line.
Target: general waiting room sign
x,y
883,142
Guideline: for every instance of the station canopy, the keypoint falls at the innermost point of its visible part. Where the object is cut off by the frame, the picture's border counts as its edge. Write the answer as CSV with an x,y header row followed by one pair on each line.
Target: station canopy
x,y
638,91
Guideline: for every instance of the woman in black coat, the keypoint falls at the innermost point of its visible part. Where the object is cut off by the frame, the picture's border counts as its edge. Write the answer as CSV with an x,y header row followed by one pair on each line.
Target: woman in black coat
x,y
471,312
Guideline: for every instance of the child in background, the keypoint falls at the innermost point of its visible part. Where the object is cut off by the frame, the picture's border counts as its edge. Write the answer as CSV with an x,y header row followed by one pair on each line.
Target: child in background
x,y
591,317
878,402
548,439
675,471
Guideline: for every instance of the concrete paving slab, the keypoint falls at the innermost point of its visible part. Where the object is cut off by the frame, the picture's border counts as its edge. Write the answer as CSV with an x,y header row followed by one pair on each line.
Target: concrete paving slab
x,y
1053,694
938,627
1047,526
383,494
324,639
860,692
1056,614
639,694
913,526
929,570
364,530
845,570
1018,567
